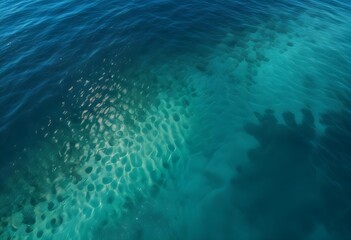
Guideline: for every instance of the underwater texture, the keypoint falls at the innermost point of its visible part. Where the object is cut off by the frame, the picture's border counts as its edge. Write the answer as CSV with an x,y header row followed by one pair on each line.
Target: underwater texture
x,y
165,119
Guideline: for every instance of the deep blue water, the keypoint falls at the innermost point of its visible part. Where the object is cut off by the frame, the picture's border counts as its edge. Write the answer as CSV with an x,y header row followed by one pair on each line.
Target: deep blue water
x,y
175,120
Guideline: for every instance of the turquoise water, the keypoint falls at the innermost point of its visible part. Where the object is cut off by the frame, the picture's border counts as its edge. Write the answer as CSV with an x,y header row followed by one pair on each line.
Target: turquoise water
x,y
173,120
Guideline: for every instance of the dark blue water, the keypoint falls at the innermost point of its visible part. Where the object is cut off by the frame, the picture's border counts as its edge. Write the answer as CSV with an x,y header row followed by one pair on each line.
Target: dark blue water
x,y
175,120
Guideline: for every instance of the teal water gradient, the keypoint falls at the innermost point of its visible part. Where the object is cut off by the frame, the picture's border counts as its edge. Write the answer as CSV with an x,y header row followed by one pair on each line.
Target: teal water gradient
x,y
172,120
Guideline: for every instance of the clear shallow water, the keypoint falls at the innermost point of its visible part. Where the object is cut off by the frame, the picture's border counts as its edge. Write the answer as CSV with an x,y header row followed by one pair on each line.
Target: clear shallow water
x,y
166,120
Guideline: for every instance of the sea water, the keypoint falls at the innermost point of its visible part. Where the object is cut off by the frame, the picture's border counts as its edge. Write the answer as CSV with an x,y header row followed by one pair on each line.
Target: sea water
x,y
175,120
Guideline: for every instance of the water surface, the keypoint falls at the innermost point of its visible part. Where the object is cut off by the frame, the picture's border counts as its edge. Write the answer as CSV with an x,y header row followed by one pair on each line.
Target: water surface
x,y
175,120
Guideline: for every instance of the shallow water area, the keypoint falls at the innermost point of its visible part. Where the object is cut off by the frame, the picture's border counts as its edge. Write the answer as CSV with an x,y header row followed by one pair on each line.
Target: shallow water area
x,y
166,120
